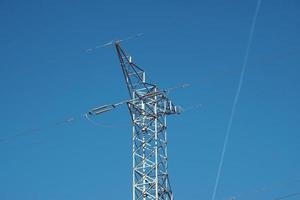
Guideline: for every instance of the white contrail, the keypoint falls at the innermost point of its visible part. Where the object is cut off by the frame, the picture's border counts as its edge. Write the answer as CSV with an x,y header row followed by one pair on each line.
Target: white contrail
x,y
236,98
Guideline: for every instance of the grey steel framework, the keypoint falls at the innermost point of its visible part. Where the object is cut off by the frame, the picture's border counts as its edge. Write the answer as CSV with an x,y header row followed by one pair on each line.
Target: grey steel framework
x,y
148,107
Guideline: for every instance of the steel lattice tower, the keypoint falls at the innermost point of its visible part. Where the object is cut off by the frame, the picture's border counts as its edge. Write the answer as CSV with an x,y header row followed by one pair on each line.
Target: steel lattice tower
x,y
148,107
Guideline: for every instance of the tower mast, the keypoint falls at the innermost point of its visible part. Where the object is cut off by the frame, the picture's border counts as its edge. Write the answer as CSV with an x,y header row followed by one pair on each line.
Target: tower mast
x,y
148,107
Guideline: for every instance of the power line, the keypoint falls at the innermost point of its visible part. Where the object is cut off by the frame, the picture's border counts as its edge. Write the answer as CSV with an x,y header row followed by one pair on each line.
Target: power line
x,y
36,130
288,196
112,42
84,116
267,188
236,98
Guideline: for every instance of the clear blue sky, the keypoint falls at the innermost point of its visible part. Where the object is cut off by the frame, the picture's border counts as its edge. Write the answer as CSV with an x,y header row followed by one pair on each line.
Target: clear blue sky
x,y
46,76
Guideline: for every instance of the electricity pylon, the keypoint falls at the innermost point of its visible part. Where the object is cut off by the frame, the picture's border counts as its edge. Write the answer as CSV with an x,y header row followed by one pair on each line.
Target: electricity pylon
x,y
148,107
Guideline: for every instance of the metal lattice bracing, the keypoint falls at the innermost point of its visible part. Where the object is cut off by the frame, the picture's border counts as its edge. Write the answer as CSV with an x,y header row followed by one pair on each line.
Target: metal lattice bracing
x,y
148,107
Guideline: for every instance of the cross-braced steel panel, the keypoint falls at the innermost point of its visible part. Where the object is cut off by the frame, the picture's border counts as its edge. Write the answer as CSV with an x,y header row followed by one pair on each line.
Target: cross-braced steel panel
x,y
148,107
